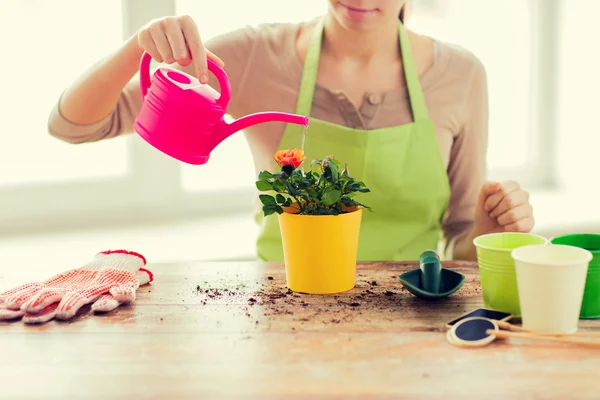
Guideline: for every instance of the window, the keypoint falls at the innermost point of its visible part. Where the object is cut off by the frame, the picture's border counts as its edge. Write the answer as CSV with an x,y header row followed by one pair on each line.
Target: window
x,y
505,46
45,182
45,59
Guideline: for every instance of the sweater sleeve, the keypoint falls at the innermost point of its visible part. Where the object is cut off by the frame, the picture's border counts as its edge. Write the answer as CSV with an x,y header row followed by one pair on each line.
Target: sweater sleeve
x,y
234,48
467,167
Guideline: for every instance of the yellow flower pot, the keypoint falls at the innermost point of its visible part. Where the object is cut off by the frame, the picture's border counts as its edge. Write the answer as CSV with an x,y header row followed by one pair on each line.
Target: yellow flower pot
x,y
320,251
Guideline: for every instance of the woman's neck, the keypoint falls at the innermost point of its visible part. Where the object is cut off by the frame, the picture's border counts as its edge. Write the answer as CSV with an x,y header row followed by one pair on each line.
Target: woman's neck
x,y
362,46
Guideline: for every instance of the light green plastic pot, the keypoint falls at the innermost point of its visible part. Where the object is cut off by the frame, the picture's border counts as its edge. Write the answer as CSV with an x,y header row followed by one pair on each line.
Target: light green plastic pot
x,y
590,306
497,268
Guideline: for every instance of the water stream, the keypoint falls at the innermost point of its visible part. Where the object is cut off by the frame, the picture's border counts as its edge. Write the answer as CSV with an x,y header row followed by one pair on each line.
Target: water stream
x,y
304,136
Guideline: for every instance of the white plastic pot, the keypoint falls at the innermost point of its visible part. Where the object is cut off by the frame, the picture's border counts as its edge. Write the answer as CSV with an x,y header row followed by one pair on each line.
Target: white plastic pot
x,y
550,281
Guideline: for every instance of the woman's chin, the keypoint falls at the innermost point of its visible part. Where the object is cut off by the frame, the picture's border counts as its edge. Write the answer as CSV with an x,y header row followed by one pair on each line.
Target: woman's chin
x,y
358,26
357,19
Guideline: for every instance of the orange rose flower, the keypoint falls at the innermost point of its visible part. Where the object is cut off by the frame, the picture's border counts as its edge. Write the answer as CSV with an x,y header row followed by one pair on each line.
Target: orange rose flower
x,y
295,158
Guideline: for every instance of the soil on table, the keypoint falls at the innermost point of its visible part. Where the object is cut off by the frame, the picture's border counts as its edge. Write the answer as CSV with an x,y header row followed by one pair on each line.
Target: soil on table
x,y
383,296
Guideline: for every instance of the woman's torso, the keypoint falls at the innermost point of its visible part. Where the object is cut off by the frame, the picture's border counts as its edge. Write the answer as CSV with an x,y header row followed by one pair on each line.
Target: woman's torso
x,y
272,77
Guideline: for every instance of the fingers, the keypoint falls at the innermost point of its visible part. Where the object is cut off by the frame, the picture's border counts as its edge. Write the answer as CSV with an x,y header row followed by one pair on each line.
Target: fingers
x,y
174,35
7,315
70,304
125,293
159,37
487,190
176,39
146,41
504,207
502,190
510,207
490,188
163,40
74,300
41,317
523,225
510,201
192,37
105,303
15,298
42,299
45,315
515,214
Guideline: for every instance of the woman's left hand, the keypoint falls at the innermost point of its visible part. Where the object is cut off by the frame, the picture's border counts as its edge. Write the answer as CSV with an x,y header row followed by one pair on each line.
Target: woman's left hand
x,y
503,207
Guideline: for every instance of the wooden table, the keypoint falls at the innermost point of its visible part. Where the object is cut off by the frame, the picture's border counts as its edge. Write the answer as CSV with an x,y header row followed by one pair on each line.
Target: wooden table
x,y
212,330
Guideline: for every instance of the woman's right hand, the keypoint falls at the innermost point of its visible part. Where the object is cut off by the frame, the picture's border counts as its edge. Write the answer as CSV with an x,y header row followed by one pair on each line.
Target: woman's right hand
x,y
177,40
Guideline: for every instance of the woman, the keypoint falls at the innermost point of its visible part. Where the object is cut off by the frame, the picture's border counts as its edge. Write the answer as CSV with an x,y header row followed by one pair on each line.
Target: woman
x,y
407,113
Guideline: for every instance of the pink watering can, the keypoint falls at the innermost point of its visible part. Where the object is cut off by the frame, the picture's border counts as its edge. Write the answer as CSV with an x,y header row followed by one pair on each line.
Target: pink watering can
x,y
184,119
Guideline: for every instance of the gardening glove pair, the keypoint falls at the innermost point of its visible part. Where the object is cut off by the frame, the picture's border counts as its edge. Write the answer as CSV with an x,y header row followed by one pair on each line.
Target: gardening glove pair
x,y
110,279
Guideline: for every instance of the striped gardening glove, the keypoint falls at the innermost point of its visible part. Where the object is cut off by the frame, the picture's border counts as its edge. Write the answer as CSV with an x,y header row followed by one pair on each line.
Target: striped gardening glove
x,y
110,279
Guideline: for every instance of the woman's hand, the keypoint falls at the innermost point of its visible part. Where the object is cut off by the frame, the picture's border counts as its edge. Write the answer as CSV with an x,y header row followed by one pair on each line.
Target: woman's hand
x,y
177,40
503,207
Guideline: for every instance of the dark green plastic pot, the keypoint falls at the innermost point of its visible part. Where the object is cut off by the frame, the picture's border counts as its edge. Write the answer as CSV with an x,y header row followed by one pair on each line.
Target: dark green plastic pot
x,y
590,306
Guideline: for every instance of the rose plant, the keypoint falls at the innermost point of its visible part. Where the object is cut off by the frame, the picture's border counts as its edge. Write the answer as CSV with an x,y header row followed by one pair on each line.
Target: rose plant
x,y
319,220
328,190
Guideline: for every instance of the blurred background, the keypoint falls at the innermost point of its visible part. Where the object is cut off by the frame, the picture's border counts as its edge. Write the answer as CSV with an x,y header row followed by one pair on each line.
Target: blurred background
x,y
62,203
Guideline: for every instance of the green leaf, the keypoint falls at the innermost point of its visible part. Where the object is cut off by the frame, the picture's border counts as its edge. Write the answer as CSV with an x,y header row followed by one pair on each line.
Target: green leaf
x,y
303,184
271,209
280,199
267,200
331,171
268,211
265,175
288,202
264,185
279,186
291,189
330,197
312,194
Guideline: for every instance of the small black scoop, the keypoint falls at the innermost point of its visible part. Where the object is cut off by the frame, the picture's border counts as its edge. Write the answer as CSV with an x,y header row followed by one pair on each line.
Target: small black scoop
x,y
431,281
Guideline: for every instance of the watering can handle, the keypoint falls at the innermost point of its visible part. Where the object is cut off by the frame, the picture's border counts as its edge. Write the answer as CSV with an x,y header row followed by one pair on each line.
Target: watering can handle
x,y
212,67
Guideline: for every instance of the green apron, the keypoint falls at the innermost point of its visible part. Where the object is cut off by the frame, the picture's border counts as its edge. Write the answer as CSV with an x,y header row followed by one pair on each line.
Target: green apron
x,y
401,165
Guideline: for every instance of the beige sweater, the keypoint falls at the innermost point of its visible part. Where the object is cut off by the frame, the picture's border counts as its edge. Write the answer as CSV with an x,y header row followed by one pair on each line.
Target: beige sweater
x,y
265,73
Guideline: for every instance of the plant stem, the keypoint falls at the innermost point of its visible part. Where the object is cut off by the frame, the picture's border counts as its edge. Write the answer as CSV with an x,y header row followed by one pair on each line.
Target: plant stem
x,y
299,204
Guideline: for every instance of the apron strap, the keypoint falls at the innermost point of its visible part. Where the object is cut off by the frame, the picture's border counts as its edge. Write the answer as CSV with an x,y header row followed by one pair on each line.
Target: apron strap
x,y
309,71
415,92
311,68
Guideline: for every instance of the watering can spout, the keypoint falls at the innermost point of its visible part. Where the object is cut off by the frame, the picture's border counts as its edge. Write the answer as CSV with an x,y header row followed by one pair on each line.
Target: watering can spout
x,y
226,129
